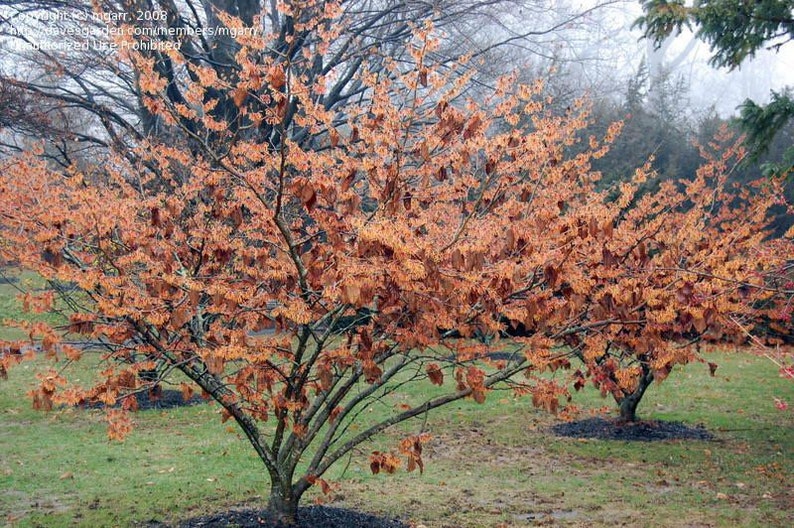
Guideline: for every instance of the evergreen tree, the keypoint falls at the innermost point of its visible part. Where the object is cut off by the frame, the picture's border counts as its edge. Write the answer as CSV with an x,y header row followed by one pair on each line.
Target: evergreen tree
x,y
735,30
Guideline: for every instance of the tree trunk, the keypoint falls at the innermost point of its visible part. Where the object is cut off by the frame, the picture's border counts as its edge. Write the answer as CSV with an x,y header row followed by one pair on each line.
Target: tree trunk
x,y
283,505
628,405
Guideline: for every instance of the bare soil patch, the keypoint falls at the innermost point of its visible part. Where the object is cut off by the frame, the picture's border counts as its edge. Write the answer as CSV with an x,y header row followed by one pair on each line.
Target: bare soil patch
x,y
643,431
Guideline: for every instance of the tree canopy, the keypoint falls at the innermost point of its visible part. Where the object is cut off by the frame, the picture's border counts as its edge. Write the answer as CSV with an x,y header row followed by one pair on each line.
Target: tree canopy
x,y
735,29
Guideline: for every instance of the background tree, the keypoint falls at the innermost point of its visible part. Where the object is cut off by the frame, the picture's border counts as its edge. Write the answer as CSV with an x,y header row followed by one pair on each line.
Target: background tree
x,y
735,30
763,123
81,72
657,126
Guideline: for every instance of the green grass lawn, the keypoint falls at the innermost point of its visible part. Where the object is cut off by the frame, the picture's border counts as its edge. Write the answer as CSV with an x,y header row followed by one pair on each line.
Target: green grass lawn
x,y
488,465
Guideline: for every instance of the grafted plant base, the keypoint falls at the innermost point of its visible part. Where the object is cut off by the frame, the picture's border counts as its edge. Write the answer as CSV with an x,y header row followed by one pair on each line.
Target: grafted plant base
x,y
308,517
640,431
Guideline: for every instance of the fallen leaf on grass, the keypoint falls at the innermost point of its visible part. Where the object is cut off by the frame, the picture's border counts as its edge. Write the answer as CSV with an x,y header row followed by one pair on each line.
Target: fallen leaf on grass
x,y
67,475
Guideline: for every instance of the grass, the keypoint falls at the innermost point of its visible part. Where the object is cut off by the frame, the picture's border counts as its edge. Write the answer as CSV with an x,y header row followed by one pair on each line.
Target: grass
x,y
58,469
490,465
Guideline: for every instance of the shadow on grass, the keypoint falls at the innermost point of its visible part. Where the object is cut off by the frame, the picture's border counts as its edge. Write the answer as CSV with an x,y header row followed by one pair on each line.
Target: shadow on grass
x,y
157,400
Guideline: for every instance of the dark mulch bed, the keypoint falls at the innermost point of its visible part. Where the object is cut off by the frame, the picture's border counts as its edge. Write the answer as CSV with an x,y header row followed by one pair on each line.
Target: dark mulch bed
x,y
644,431
308,517
166,399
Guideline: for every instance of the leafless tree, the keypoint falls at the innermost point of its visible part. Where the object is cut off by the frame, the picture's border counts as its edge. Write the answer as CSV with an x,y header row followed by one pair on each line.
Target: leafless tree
x,y
59,55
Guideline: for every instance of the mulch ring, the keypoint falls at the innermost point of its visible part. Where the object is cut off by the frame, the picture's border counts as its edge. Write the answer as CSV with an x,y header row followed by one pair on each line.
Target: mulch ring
x,y
308,517
643,431
159,400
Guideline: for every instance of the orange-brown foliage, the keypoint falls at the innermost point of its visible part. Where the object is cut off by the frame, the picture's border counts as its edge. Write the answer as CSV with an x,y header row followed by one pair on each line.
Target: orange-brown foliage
x,y
435,212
